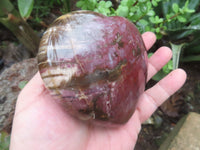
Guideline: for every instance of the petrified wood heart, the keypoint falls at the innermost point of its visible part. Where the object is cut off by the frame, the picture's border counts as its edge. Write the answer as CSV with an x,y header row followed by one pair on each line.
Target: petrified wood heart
x,y
96,66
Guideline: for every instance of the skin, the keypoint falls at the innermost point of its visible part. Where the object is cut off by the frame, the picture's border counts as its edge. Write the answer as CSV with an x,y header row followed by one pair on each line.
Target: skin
x,y
40,124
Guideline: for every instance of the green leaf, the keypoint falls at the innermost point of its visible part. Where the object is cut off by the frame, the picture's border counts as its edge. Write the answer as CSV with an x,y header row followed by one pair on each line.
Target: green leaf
x,y
133,9
189,10
159,36
124,2
168,67
151,13
175,7
156,19
149,55
159,75
154,2
25,7
108,4
181,19
122,11
151,19
79,4
186,3
144,22
142,1
149,5
84,7
143,8
102,3
157,30
22,84
103,8
142,25
176,50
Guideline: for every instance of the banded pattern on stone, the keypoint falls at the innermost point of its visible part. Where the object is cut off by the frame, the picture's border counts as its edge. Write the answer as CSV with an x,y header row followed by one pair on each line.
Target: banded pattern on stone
x,y
95,65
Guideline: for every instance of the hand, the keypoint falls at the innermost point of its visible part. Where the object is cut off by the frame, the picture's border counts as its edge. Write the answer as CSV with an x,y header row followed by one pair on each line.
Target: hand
x,y
40,124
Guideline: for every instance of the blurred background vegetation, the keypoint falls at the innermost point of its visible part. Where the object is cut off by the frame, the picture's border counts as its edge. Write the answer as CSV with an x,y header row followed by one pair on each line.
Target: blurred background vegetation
x,y
176,23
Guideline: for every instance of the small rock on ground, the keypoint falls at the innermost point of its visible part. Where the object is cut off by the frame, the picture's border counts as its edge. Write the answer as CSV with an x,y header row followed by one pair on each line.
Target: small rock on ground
x,y
185,135
9,83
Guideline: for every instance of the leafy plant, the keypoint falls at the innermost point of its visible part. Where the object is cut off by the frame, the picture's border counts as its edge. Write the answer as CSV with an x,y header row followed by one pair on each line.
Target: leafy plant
x,y
12,20
187,32
25,7
66,5
141,12
4,141
104,7
41,8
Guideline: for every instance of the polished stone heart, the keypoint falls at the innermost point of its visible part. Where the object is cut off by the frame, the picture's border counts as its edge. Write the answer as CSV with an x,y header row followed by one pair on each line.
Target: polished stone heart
x,y
95,66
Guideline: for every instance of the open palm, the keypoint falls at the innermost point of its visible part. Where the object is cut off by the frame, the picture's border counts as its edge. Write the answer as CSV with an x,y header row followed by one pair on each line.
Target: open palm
x,y
40,123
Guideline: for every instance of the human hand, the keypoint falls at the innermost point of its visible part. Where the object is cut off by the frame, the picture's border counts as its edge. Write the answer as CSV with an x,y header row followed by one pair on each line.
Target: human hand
x,y
40,124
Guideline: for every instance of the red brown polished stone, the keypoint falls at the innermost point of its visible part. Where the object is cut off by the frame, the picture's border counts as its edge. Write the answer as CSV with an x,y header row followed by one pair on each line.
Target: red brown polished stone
x,y
94,65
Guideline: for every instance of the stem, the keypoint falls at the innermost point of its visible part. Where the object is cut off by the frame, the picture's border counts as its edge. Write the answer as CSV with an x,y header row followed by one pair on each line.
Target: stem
x,y
22,31
66,4
140,18
135,3
167,20
171,18
176,50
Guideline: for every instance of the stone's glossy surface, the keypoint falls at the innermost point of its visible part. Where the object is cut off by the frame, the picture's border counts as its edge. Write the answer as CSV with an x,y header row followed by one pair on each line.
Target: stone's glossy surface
x,y
95,65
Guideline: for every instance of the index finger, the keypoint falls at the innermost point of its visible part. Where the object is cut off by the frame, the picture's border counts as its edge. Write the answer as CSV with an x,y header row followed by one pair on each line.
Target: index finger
x,y
149,39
